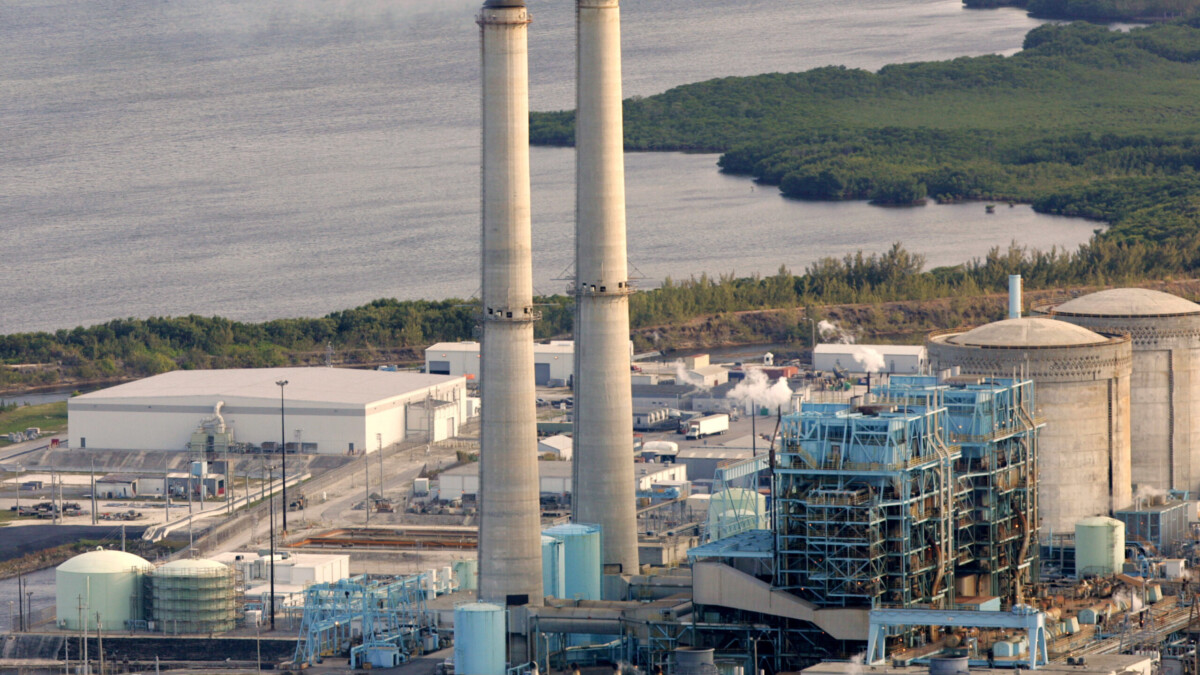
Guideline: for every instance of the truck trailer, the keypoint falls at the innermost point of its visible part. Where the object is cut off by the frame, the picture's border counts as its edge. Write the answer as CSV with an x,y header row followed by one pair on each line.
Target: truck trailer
x,y
709,425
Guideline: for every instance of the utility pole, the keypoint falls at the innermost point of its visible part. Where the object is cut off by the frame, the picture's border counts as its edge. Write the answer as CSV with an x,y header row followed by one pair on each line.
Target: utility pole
x,y
83,649
283,454
20,602
93,491
100,641
367,473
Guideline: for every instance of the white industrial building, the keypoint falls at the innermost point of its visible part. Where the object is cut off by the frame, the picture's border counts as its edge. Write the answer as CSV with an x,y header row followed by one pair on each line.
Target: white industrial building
x,y
553,362
893,359
329,410
554,478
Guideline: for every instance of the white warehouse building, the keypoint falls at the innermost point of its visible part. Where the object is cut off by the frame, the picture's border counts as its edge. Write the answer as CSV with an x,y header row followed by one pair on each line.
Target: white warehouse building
x,y
893,359
328,410
553,362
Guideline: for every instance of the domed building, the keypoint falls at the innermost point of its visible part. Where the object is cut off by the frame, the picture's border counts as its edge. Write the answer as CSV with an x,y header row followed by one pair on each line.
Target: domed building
x,y
1165,386
100,584
195,596
1081,384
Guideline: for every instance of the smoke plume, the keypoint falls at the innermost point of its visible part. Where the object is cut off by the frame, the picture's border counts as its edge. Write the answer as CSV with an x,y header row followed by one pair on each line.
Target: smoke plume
x,y
831,332
870,360
757,390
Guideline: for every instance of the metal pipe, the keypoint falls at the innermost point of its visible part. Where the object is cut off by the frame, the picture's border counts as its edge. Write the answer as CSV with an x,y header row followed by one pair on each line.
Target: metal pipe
x,y
604,486
510,553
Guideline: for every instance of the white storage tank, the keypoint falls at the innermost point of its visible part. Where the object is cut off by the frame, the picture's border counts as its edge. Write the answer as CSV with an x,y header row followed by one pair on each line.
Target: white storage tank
x,y
1099,546
1081,384
108,583
1165,388
479,639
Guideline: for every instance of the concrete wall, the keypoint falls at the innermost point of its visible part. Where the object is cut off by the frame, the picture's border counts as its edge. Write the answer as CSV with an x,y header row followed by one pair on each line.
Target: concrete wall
x,y
1165,396
1084,395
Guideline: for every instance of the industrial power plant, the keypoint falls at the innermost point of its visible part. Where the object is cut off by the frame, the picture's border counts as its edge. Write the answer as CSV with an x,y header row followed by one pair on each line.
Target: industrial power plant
x,y
1016,495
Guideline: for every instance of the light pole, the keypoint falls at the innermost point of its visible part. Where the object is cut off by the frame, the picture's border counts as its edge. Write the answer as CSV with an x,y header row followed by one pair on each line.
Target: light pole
x,y
271,509
814,330
379,441
283,454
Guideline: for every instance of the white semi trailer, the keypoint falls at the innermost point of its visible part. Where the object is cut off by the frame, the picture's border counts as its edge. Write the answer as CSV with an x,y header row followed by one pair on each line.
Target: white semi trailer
x,y
709,425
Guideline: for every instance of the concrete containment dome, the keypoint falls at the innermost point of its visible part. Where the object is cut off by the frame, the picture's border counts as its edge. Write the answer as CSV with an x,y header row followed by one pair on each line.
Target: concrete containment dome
x,y
1165,386
108,583
1081,386
1027,332
1127,302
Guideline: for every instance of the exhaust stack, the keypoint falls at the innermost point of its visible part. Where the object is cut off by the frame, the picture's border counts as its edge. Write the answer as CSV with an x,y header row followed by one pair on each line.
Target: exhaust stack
x,y
604,487
510,554
1014,296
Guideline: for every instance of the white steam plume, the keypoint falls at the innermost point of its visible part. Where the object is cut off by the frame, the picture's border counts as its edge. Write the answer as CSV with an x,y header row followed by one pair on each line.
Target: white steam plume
x,y
870,360
682,376
755,389
831,332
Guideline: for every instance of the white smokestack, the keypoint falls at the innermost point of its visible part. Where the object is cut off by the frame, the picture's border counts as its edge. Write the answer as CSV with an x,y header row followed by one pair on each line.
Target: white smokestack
x,y
510,554
1014,296
604,488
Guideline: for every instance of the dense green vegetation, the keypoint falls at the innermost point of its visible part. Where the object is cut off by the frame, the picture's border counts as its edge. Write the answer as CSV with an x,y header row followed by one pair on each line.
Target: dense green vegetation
x,y
1083,122
1098,10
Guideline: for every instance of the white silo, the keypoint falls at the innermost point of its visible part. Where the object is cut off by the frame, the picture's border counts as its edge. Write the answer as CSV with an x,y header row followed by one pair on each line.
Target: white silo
x,y
1081,386
194,596
100,582
1165,387
1099,546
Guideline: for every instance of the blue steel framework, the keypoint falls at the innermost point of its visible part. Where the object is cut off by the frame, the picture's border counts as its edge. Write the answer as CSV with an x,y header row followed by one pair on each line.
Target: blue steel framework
x,y
995,423
390,613
885,504
864,502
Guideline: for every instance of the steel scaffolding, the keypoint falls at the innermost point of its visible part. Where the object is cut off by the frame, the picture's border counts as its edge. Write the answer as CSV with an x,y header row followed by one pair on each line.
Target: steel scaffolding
x,y
387,614
864,506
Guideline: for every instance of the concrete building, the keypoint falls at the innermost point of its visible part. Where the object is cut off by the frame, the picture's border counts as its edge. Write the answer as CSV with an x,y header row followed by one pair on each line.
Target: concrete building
x,y
331,410
553,362
673,396
554,478
117,486
1082,380
702,463
559,445
510,540
894,359
1165,386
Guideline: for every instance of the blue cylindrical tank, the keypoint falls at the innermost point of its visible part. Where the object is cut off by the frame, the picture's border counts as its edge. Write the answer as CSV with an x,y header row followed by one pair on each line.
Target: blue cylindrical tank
x,y
554,571
581,552
479,639
467,572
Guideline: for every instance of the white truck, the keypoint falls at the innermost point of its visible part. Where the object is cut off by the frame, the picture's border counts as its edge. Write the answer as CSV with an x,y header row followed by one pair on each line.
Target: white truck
x,y
709,425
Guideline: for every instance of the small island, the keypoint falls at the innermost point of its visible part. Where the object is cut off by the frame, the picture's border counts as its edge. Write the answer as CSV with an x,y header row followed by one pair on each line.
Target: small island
x,y
1084,121
1098,10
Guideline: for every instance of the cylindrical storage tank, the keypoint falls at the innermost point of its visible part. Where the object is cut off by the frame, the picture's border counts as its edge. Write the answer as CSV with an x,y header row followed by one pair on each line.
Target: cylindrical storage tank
x,y
1081,384
694,661
479,639
467,572
554,570
581,554
1165,387
108,583
194,596
1099,546
948,665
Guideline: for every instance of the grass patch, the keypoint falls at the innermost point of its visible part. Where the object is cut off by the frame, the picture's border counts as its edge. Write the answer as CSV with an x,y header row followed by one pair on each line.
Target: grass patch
x,y
47,416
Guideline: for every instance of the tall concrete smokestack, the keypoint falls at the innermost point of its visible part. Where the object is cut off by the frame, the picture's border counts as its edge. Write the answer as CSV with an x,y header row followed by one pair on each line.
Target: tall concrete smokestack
x,y
604,487
510,553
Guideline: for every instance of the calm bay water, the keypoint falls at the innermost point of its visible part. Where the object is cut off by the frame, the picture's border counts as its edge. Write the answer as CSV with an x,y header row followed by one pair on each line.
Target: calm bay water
x,y
268,158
